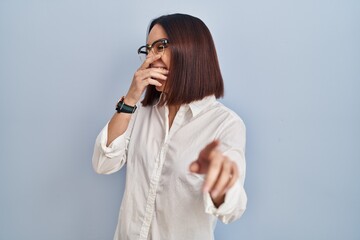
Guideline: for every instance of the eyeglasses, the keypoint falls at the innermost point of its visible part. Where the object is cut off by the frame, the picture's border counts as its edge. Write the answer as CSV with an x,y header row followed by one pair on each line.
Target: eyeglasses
x,y
157,47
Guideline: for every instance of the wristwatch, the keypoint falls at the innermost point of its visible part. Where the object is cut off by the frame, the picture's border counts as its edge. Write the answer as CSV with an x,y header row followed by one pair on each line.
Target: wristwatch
x,y
122,107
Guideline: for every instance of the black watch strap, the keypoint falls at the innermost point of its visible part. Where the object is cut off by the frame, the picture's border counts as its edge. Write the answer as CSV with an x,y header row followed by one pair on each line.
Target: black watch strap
x,y
122,107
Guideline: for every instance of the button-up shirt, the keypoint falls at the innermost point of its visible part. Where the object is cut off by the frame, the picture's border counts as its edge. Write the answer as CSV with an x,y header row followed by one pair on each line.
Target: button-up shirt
x,y
163,199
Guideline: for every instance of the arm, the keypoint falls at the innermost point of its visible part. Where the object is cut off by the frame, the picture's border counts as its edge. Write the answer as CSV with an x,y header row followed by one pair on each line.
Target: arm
x,y
110,157
223,162
111,145
143,77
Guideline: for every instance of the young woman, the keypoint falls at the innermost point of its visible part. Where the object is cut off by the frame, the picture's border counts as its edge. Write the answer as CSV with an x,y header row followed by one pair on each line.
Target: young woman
x,y
184,151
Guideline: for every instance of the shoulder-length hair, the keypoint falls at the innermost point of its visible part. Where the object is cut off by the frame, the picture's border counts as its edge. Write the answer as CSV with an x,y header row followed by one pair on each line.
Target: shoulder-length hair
x,y
194,66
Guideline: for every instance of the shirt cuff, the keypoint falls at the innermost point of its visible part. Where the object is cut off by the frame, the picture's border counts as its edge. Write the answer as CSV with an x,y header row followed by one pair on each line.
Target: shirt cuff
x,y
233,206
116,147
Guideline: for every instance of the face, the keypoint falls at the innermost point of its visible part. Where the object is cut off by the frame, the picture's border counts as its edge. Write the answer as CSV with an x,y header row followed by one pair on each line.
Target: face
x,y
156,33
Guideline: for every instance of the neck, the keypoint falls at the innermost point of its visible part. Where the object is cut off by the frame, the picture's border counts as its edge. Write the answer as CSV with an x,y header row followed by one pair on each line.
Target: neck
x,y
173,109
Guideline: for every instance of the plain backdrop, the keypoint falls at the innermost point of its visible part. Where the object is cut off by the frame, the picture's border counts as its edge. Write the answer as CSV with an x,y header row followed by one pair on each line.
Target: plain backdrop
x,y
291,70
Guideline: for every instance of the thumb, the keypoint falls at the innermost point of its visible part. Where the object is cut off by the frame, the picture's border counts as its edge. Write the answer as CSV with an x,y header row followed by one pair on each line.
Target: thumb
x,y
194,167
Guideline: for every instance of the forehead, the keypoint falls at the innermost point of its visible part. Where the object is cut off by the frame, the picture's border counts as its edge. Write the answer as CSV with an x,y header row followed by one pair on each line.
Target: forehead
x,y
156,33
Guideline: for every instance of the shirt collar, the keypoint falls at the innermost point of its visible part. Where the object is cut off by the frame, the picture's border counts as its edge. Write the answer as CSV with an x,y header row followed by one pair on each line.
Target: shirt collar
x,y
196,106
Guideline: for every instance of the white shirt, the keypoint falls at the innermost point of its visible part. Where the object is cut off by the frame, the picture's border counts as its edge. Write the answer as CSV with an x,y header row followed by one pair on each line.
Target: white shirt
x,y
162,199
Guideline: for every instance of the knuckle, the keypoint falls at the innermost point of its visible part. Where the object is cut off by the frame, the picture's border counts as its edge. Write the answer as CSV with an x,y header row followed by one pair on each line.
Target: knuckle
x,y
227,164
210,176
235,168
215,156
215,164
212,155
137,73
220,155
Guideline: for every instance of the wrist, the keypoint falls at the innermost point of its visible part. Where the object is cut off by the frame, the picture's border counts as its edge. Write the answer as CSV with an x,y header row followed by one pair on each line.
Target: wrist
x,y
123,107
128,100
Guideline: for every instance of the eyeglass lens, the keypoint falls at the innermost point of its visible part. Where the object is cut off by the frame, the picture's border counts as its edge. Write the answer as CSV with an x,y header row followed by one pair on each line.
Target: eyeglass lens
x,y
156,48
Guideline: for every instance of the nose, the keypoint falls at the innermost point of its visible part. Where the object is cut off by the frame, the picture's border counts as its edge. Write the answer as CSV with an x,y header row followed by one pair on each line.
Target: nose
x,y
151,54
157,62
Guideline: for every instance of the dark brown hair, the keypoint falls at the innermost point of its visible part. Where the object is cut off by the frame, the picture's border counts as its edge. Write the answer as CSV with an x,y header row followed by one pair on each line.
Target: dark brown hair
x,y
194,66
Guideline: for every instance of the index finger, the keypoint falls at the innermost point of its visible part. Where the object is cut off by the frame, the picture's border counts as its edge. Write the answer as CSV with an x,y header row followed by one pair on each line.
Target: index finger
x,y
148,61
209,148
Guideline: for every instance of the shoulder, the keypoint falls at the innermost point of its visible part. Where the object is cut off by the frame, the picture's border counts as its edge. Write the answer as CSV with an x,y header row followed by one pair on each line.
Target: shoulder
x,y
229,117
231,130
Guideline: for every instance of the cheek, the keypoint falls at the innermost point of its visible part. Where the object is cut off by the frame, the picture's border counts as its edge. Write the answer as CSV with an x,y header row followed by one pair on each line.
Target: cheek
x,y
166,60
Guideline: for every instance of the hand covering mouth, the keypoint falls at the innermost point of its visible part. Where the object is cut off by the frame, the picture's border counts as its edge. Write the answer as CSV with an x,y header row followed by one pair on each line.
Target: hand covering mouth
x,y
159,67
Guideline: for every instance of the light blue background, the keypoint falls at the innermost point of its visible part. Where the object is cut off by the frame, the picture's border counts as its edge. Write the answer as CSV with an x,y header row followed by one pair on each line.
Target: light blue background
x,y
291,70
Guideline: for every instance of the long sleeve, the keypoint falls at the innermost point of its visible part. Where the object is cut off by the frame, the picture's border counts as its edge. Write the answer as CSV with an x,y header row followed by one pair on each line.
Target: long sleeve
x,y
110,159
159,186
232,140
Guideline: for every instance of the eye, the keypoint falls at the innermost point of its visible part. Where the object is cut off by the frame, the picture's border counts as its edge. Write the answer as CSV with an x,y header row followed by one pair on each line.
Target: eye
x,y
160,47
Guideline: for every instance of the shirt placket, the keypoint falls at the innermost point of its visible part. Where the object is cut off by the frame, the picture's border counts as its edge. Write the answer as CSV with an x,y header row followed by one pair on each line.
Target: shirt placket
x,y
154,182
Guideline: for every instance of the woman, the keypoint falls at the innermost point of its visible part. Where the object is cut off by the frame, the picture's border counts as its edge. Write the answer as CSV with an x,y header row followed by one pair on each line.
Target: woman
x,y
184,151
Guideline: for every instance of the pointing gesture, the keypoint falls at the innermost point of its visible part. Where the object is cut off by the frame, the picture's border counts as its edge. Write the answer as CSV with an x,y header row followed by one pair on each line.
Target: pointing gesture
x,y
221,172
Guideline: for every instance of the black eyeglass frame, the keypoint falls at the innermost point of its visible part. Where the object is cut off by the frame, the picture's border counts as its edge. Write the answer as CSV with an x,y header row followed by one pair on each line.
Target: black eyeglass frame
x,y
149,47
